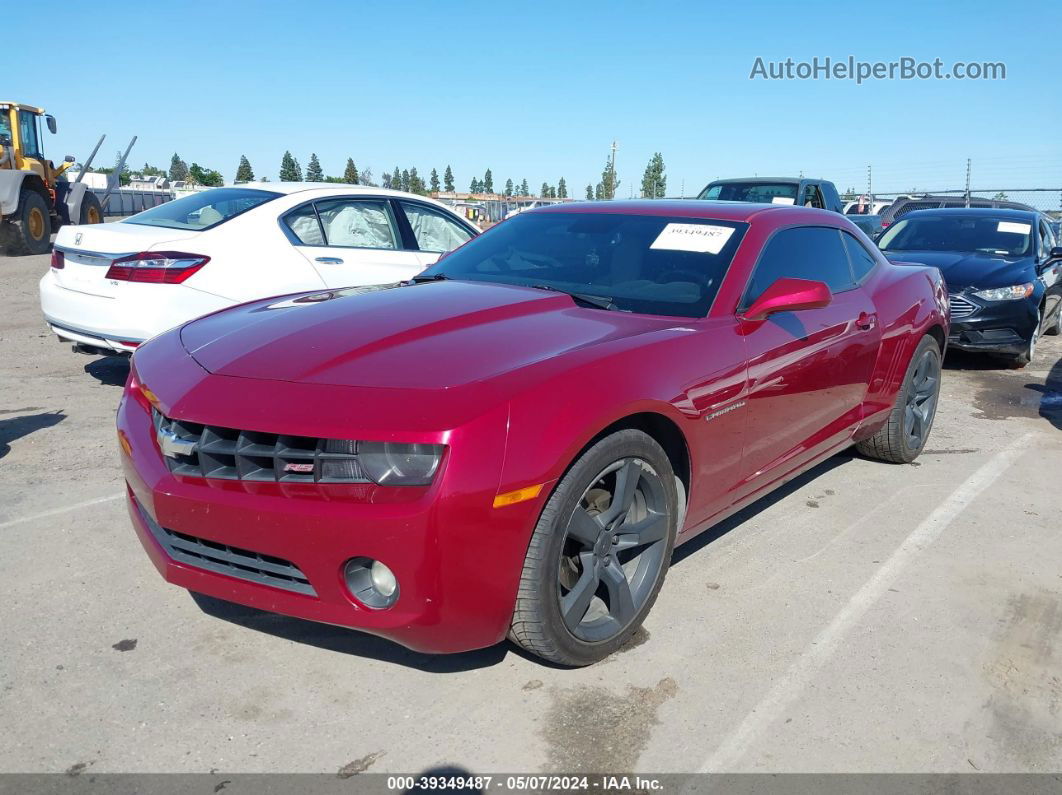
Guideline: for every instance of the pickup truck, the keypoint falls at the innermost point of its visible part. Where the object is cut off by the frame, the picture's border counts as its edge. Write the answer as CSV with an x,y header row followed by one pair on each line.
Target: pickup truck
x,y
776,190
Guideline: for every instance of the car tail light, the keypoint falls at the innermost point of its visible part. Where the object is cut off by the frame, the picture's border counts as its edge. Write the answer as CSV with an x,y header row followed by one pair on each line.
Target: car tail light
x,y
156,267
58,260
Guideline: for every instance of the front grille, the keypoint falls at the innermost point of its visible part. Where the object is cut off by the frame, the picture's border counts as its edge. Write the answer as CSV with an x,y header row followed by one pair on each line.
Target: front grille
x,y
210,451
223,559
961,308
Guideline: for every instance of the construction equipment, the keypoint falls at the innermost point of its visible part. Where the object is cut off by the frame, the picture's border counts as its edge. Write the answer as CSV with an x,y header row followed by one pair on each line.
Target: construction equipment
x,y
34,200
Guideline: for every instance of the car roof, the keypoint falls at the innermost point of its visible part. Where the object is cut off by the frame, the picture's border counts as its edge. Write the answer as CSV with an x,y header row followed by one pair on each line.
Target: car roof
x,y
733,180
976,212
326,187
683,208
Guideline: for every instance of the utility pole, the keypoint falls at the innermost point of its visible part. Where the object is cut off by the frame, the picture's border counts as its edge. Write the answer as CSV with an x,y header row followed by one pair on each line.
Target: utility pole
x,y
870,188
612,191
967,182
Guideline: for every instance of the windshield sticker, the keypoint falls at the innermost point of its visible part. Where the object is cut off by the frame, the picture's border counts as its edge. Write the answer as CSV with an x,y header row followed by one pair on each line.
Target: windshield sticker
x,y
700,238
782,200
1014,226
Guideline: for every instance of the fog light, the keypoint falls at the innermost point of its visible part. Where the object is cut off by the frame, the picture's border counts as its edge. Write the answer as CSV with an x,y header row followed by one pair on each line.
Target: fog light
x,y
371,582
383,579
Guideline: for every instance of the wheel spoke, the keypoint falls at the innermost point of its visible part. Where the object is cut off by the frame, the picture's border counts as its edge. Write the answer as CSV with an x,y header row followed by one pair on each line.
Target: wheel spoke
x,y
575,603
583,528
620,599
649,530
623,497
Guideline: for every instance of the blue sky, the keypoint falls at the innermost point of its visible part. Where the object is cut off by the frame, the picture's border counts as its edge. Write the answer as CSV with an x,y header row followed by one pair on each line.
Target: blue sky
x,y
539,90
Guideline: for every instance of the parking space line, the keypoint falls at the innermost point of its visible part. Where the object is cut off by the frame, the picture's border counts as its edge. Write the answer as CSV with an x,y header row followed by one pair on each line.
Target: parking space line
x,y
57,511
789,687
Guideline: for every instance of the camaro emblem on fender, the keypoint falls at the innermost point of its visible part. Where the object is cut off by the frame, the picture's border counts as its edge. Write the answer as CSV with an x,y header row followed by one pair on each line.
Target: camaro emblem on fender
x,y
721,412
173,445
298,467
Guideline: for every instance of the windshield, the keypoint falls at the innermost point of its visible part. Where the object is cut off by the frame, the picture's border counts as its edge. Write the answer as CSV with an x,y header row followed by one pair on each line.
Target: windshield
x,y
759,192
650,264
985,234
202,210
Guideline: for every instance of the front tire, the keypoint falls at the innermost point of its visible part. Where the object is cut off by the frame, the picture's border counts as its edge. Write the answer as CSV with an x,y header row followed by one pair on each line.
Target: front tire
x,y
91,212
32,225
1023,359
599,552
904,435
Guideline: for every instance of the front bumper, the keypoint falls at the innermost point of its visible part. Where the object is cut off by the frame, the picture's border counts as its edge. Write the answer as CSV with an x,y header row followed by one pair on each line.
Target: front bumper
x,y
457,558
992,326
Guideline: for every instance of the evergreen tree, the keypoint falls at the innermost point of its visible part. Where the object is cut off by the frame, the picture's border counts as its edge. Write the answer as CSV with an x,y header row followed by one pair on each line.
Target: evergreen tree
x,y
590,192
178,168
405,180
350,173
365,177
448,180
244,172
385,180
609,182
416,184
473,186
508,187
544,191
434,181
524,189
488,182
205,176
562,189
396,179
313,171
599,191
654,183
290,170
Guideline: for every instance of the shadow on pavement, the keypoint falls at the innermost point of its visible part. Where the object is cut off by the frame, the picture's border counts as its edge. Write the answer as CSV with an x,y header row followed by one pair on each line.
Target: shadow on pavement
x,y
348,641
110,370
17,427
722,528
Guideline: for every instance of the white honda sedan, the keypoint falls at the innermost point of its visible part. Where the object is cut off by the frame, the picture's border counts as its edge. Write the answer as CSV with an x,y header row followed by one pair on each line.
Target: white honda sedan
x,y
112,286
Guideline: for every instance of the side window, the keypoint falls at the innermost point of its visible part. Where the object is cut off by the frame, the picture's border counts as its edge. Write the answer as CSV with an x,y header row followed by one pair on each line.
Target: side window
x,y
433,230
813,197
27,131
862,261
357,223
803,252
303,223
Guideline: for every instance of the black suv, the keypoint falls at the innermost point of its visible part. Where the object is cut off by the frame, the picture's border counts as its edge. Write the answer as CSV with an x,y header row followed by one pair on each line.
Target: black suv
x,y
901,207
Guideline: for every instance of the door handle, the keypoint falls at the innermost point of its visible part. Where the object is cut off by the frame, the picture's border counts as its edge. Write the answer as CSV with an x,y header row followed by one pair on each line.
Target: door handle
x,y
866,322
329,260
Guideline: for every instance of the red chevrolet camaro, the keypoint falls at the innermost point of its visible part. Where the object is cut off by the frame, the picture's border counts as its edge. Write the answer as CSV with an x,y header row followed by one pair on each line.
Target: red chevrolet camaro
x,y
513,443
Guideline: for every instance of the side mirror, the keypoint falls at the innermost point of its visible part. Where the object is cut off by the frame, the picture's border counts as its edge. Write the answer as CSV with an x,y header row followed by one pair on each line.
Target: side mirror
x,y
51,124
789,295
1056,253
68,159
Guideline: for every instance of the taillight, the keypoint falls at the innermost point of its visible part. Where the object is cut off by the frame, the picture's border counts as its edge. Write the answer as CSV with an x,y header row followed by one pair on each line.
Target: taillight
x,y
58,260
156,267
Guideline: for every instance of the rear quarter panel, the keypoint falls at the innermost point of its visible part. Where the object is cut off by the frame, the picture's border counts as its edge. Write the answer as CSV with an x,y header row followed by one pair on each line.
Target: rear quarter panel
x,y
911,301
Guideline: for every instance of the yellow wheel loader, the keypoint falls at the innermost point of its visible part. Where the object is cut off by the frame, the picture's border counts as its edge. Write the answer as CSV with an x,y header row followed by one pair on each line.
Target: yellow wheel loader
x,y
34,201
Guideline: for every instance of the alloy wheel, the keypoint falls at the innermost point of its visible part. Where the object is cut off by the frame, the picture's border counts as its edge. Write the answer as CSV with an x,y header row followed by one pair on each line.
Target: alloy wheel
x,y
613,550
921,400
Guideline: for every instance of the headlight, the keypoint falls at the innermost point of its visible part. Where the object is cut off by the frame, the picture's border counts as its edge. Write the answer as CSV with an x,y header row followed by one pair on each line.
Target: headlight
x,y
1006,293
391,464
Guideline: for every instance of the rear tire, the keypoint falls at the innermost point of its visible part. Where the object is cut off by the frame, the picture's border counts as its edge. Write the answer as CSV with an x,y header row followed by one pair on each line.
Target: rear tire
x,y
31,224
1055,326
91,211
904,435
599,552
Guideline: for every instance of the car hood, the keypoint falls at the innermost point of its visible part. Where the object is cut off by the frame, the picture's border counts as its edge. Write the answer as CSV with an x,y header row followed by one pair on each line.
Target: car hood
x,y
435,335
963,269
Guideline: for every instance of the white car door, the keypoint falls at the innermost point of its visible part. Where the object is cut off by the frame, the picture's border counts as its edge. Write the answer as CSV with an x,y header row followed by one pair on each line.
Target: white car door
x,y
352,241
435,232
